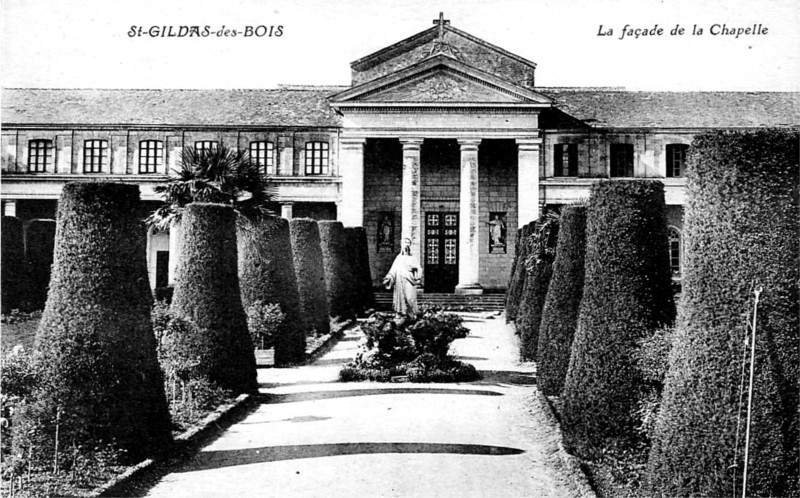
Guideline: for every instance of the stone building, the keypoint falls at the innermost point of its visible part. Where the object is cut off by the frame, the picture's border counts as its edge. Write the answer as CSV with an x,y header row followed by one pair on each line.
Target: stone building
x,y
442,138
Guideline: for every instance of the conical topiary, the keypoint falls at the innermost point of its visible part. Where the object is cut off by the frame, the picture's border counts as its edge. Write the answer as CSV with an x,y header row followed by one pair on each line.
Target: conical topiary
x,y
519,272
207,293
626,296
358,254
266,275
560,314
308,266
338,275
100,382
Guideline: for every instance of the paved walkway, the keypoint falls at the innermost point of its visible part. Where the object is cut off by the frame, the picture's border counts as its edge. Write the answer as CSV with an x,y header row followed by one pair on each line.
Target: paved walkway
x,y
319,437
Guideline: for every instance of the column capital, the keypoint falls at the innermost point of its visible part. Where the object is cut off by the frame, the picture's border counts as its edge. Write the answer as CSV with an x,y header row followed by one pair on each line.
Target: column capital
x,y
529,144
411,142
352,142
469,143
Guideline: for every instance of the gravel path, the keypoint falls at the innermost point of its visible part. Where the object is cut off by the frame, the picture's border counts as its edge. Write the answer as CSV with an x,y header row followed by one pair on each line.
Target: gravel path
x,y
318,437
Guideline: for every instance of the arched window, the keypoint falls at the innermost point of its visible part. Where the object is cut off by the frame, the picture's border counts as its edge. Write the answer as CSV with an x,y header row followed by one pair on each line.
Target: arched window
x,y
675,251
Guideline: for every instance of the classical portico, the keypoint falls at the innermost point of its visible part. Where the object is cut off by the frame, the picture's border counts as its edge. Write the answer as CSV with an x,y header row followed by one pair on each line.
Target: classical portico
x,y
435,91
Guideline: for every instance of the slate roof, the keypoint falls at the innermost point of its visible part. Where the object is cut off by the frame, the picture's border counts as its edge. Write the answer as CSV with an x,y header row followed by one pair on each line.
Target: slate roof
x,y
288,106
623,109
307,106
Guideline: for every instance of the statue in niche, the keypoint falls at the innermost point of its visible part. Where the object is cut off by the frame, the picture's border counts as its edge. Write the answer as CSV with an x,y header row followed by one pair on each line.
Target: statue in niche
x,y
497,233
385,233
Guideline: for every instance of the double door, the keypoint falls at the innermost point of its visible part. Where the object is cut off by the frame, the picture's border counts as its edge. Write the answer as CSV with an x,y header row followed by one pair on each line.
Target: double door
x,y
441,251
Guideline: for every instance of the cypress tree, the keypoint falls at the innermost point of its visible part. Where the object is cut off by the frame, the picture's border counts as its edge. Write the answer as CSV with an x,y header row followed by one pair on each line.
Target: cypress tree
x,y
626,297
100,382
560,315
310,273
519,271
358,254
740,232
266,274
40,242
337,269
207,294
13,264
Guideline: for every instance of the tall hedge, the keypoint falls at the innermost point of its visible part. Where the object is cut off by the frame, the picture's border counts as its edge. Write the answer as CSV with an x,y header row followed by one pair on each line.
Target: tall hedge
x,y
207,293
308,266
39,254
266,274
741,229
99,363
560,314
13,264
626,297
338,275
539,264
516,282
358,253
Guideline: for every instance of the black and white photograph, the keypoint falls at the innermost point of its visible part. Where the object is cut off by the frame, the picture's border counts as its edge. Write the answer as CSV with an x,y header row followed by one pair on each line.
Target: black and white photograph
x,y
400,248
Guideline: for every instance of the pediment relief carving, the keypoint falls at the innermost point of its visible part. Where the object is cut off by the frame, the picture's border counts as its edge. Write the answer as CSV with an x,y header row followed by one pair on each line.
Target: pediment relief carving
x,y
441,87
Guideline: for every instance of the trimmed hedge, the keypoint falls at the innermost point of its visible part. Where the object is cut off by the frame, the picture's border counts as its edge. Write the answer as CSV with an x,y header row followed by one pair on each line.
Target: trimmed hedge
x,y
207,293
40,243
338,275
626,297
13,264
266,274
740,229
539,264
308,266
516,283
560,315
358,254
98,350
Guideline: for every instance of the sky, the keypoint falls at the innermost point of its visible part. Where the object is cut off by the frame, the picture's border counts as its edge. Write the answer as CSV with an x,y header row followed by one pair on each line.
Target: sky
x,y
86,43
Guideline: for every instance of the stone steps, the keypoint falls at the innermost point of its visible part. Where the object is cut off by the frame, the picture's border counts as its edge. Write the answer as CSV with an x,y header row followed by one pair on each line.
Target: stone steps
x,y
482,302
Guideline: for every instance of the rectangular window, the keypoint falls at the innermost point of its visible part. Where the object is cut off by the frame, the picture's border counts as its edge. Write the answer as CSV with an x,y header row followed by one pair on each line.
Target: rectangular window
x,y
566,160
205,145
676,160
95,156
40,155
151,155
317,158
263,155
622,160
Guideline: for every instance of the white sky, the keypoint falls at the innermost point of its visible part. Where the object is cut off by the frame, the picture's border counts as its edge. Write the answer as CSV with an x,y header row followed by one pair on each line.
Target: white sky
x,y
84,43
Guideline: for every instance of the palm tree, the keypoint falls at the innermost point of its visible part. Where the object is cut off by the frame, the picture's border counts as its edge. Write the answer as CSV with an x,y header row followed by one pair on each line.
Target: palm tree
x,y
220,175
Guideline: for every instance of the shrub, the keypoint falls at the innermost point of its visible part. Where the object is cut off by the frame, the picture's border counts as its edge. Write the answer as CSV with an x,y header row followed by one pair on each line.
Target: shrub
x,y
539,267
519,272
308,266
741,229
626,297
100,379
40,242
266,275
207,294
13,264
358,254
560,314
264,321
337,270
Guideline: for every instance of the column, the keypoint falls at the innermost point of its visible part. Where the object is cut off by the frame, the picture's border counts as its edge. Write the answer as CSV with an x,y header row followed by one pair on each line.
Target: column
x,y
469,220
411,205
351,168
10,207
286,210
528,179
174,249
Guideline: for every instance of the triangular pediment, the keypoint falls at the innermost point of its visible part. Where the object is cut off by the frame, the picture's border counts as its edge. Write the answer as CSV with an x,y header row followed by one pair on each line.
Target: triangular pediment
x,y
443,80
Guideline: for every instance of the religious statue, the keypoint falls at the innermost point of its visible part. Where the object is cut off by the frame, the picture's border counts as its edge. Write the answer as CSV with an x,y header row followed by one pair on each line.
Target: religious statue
x,y
404,276
497,233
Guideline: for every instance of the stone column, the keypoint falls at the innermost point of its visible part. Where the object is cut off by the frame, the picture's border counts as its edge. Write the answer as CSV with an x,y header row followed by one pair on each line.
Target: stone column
x,y
286,210
174,249
411,197
351,168
469,220
10,207
528,179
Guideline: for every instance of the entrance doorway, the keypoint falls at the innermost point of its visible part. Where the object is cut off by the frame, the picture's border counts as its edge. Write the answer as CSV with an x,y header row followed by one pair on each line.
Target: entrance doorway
x,y
441,252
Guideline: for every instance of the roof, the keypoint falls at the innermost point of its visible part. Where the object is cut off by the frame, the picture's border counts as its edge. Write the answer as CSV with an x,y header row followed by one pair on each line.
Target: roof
x,y
624,109
287,106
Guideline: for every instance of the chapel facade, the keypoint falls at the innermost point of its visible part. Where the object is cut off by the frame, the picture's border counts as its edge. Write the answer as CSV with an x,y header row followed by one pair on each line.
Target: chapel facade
x,y
441,138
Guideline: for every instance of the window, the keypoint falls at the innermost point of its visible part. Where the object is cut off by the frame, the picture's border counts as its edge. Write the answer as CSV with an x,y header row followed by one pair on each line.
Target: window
x,y
621,160
263,155
316,158
40,155
151,155
203,146
675,251
95,155
676,160
566,160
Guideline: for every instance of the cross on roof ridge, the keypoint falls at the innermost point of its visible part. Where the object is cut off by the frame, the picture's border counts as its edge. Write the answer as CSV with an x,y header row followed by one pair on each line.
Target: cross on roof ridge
x,y
442,22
